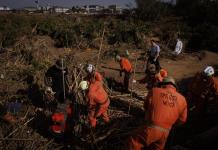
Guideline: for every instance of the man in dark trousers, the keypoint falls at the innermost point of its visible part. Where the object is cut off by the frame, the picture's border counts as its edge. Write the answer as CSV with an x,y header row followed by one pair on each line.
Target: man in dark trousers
x,y
153,55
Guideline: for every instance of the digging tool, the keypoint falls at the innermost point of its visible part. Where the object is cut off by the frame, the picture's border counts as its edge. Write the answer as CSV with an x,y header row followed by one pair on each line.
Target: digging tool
x,y
19,127
63,78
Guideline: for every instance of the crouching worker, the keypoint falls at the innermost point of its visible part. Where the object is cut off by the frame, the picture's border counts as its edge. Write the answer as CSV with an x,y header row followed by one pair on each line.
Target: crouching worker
x,y
62,122
203,92
98,101
164,107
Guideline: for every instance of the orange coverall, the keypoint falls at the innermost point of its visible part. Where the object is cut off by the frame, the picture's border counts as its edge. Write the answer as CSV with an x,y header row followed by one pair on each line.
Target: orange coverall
x,y
98,103
95,77
200,89
163,108
126,67
215,85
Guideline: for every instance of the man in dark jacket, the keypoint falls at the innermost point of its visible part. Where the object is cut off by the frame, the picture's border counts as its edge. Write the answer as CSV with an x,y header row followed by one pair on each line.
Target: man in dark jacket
x,y
56,77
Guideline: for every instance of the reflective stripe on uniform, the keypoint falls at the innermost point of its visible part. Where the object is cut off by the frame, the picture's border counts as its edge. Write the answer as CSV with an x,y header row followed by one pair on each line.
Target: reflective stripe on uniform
x,y
158,127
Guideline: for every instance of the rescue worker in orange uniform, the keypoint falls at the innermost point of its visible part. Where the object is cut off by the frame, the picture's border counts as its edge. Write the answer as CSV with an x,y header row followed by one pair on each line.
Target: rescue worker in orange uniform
x,y
98,101
126,67
93,75
164,107
62,121
203,89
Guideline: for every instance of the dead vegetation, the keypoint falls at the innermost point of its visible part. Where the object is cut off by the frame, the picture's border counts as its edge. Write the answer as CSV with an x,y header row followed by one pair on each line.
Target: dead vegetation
x,y
33,55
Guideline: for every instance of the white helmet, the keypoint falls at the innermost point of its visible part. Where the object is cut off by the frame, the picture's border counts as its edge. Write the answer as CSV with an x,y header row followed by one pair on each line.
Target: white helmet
x,y
84,85
90,68
209,71
118,58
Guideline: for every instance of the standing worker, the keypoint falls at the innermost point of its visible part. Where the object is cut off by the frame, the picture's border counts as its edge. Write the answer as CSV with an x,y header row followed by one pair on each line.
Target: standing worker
x,y
164,107
153,55
98,101
56,77
126,67
93,75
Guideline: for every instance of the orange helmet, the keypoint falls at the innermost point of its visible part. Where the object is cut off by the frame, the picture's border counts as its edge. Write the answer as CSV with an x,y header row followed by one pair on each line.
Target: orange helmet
x,y
163,73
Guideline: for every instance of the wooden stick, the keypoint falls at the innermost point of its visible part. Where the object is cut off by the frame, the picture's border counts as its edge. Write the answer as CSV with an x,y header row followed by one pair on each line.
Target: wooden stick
x,y
63,77
17,139
99,52
20,127
46,145
132,83
94,140
24,117
77,77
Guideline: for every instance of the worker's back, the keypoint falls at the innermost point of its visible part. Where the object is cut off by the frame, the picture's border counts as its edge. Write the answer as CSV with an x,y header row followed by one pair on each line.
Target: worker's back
x,y
165,106
98,76
125,65
200,84
96,93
